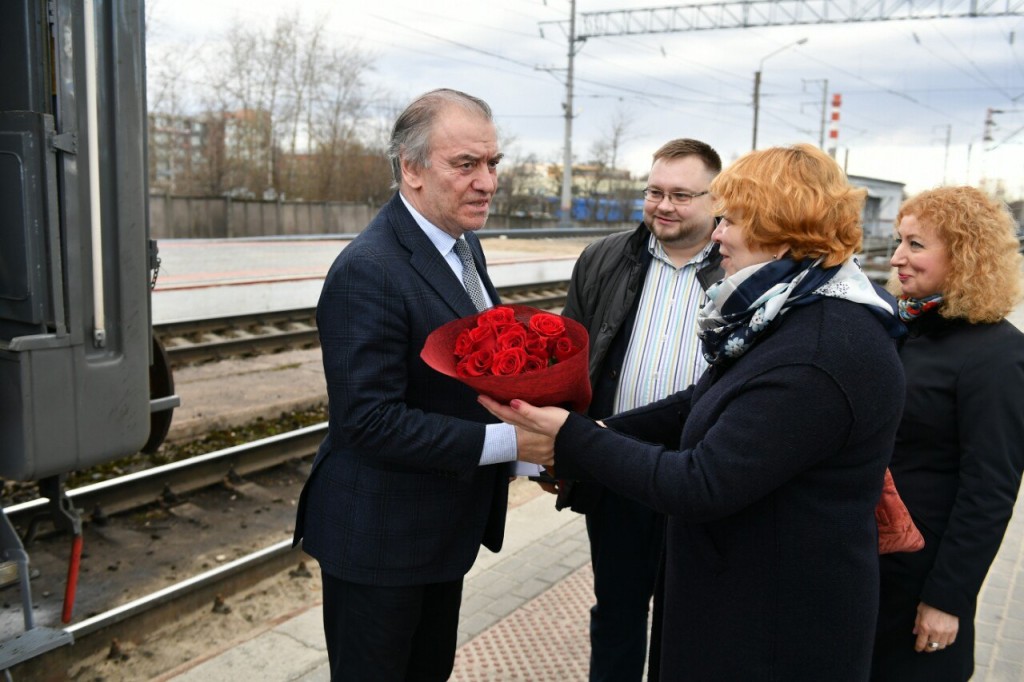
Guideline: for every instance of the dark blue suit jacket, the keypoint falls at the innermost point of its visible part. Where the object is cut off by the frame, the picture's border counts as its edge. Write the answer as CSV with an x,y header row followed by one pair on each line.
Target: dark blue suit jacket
x,y
396,495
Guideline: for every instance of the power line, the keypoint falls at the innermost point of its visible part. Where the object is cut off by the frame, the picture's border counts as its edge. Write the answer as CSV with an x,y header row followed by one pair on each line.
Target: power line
x,y
983,76
464,46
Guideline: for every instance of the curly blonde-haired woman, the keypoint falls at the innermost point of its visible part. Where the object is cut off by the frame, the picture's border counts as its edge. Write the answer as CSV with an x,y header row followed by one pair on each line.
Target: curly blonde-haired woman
x,y
959,449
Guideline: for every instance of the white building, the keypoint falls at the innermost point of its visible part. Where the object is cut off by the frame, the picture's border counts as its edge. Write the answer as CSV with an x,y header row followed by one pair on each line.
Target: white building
x,y
881,206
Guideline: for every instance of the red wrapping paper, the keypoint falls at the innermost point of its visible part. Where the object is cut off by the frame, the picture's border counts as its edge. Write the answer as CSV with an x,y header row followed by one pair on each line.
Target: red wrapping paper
x,y
566,382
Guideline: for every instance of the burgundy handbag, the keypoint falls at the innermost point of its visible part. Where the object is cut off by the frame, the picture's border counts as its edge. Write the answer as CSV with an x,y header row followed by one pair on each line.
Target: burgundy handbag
x,y
896,530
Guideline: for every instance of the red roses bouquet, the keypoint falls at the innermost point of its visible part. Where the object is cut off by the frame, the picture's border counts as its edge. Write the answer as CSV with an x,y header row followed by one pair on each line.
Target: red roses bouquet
x,y
515,351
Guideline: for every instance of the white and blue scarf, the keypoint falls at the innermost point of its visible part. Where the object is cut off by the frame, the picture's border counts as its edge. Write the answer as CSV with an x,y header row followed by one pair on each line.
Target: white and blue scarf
x,y
742,306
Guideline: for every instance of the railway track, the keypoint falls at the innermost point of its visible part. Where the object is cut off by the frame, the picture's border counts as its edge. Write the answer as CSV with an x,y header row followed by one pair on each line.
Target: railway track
x,y
196,341
165,542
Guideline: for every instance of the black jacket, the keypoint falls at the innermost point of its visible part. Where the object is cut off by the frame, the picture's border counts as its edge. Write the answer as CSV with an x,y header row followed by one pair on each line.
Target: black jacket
x,y
957,465
603,296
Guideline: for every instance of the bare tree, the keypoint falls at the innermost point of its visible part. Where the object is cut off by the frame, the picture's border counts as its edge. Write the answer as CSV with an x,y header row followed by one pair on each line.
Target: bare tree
x,y
253,79
285,113
176,144
305,70
605,152
523,182
338,106
294,103
611,187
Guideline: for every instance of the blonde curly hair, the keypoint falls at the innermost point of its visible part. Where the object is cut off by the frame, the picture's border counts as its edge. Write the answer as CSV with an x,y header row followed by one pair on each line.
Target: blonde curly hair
x,y
795,196
984,281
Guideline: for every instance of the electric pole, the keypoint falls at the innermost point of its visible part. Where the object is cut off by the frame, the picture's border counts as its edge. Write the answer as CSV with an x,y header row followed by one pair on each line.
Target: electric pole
x,y
567,147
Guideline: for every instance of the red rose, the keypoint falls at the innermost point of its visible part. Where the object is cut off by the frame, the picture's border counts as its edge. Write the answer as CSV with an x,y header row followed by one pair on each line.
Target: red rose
x,y
475,364
503,327
534,362
509,362
547,325
563,349
536,344
464,344
483,338
513,336
493,317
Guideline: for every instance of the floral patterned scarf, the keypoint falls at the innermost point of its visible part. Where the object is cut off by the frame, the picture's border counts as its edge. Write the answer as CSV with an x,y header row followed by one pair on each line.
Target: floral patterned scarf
x,y
742,306
913,308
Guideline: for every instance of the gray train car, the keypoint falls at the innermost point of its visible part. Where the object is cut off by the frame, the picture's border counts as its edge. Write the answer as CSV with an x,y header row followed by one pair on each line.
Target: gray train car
x,y
81,381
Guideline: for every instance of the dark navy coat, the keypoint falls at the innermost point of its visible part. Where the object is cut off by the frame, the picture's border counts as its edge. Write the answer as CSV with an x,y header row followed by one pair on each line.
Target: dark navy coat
x,y
770,471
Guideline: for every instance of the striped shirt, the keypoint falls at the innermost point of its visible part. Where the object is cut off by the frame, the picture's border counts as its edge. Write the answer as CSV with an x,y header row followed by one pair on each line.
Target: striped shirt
x,y
664,354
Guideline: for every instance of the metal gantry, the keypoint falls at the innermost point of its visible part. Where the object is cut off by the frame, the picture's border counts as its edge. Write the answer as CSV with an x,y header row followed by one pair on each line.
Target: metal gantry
x,y
761,13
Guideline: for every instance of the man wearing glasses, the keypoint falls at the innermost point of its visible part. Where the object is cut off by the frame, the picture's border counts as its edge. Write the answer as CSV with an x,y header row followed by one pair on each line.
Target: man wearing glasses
x,y
638,294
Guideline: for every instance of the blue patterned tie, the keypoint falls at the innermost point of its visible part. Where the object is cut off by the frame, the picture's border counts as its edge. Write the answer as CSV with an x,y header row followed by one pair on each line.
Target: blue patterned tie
x,y
470,277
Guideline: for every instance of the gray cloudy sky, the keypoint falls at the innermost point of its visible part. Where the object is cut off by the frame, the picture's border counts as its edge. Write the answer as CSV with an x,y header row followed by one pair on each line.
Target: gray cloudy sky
x,y
905,85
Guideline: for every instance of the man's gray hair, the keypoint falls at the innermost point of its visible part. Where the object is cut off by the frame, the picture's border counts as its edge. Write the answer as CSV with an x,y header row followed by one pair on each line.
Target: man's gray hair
x,y
410,138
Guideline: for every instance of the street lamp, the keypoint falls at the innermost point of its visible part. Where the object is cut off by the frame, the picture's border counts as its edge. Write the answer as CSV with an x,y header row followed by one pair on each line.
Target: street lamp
x,y
757,84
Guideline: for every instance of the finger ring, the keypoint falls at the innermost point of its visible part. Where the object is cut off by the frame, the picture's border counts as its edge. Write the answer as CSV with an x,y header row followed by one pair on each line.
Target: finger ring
x,y
933,645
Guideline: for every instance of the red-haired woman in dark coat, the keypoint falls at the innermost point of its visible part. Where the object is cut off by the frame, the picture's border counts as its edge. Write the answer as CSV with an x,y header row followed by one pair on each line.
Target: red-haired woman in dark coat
x,y
770,467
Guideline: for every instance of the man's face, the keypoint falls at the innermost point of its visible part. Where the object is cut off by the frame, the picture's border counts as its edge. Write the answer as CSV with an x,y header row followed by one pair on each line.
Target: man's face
x,y
675,225
454,191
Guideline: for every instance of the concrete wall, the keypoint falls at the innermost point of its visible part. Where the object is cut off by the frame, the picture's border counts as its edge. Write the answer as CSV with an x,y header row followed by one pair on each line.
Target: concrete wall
x,y
172,217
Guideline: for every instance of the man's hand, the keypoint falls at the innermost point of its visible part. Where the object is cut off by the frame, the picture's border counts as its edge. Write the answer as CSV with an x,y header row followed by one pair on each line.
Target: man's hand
x,y
535,448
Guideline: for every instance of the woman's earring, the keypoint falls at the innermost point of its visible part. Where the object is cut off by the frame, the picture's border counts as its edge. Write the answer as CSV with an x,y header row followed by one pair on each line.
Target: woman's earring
x,y
775,257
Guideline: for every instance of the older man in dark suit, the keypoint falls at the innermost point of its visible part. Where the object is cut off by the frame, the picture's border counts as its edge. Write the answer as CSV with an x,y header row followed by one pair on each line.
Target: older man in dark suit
x,y
410,480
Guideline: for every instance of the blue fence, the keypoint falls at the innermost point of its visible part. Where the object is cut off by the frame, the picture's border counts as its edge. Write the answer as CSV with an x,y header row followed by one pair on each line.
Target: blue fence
x,y
589,209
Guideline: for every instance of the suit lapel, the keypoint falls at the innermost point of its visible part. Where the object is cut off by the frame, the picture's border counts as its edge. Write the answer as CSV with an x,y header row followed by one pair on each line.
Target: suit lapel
x,y
426,260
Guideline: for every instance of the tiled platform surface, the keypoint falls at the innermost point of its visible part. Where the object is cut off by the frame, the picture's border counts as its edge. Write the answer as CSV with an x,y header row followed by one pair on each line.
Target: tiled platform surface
x,y
525,615
546,638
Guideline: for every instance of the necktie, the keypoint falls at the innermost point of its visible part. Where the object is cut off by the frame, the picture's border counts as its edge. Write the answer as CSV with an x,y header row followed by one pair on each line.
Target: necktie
x,y
470,277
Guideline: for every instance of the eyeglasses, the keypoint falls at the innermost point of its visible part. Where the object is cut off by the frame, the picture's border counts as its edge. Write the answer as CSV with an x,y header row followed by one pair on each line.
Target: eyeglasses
x,y
675,198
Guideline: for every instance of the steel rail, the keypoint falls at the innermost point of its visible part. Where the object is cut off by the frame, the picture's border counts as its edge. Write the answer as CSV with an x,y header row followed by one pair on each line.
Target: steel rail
x,y
219,325
194,588
200,340
145,487
101,631
239,335
148,486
